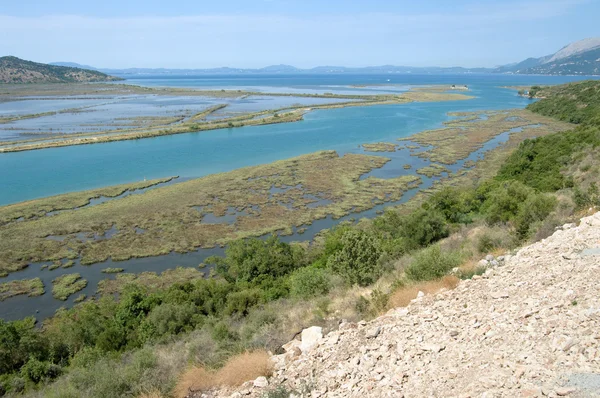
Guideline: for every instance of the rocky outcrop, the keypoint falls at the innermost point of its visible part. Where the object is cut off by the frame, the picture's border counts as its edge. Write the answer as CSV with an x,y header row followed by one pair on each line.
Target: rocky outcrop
x,y
528,327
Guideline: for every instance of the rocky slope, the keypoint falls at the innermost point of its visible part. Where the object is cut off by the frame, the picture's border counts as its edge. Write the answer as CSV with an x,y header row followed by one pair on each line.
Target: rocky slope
x,y
579,58
528,327
16,70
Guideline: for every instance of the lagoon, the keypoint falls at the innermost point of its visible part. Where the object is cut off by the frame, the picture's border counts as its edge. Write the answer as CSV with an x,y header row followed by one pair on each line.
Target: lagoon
x,y
27,175
41,173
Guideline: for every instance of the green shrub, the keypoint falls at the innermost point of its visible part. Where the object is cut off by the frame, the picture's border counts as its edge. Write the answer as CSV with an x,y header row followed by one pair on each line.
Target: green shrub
x,y
536,208
432,263
575,102
379,301
17,385
539,163
423,227
589,197
309,282
487,243
503,201
358,260
331,245
110,377
279,392
247,260
20,341
241,302
168,319
221,332
470,273
455,204
36,371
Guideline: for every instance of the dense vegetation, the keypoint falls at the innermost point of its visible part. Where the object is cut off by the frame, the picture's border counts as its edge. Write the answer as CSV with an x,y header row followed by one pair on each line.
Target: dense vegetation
x,y
575,102
111,347
541,163
16,70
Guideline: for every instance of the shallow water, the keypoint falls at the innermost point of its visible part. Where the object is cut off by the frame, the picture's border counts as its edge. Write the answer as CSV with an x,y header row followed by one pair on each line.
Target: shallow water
x,y
45,305
28,175
122,112
34,174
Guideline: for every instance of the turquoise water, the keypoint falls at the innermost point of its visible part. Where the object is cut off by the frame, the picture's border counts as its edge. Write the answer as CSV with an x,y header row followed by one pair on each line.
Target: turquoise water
x,y
27,175
41,173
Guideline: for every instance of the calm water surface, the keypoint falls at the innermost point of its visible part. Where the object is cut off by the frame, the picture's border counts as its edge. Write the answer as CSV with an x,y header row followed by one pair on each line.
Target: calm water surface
x,y
35,174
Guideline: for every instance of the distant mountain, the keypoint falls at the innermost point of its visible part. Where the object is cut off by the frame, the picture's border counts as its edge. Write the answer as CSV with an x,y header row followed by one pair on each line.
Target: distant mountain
x,y
279,69
72,65
16,70
288,69
579,58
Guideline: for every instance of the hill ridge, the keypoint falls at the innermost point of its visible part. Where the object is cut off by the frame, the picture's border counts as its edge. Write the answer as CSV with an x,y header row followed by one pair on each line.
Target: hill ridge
x,y
16,70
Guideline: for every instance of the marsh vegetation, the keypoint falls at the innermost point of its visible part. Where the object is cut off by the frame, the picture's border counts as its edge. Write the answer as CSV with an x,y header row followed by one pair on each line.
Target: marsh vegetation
x,y
154,126
264,291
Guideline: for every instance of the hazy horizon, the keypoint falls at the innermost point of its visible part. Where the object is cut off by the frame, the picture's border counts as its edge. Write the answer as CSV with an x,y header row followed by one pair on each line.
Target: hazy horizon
x,y
201,35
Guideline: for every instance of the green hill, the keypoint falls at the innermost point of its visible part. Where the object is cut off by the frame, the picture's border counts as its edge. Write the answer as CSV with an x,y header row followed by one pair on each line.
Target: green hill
x,y
16,70
586,63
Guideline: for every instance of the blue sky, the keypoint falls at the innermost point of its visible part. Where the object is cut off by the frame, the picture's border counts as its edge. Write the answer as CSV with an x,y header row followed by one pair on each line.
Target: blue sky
x,y
307,33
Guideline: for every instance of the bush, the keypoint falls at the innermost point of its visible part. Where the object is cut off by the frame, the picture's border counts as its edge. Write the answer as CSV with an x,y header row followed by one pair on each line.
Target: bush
x,y
362,305
358,260
20,341
279,392
110,377
36,371
486,243
423,227
309,282
538,163
589,197
168,319
456,205
17,385
241,302
503,201
432,263
332,244
379,301
250,259
535,209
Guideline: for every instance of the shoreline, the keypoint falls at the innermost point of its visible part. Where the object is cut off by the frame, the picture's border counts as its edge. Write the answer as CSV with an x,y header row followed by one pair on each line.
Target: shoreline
x,y
274,181
194,124
250,201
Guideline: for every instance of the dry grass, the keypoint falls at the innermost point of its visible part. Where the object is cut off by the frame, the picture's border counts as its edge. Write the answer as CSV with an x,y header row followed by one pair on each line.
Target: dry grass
x,y
238,369
151,394
403,296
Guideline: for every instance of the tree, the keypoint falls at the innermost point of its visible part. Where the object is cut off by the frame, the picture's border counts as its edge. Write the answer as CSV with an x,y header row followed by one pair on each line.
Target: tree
x,y
251,260
358,260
